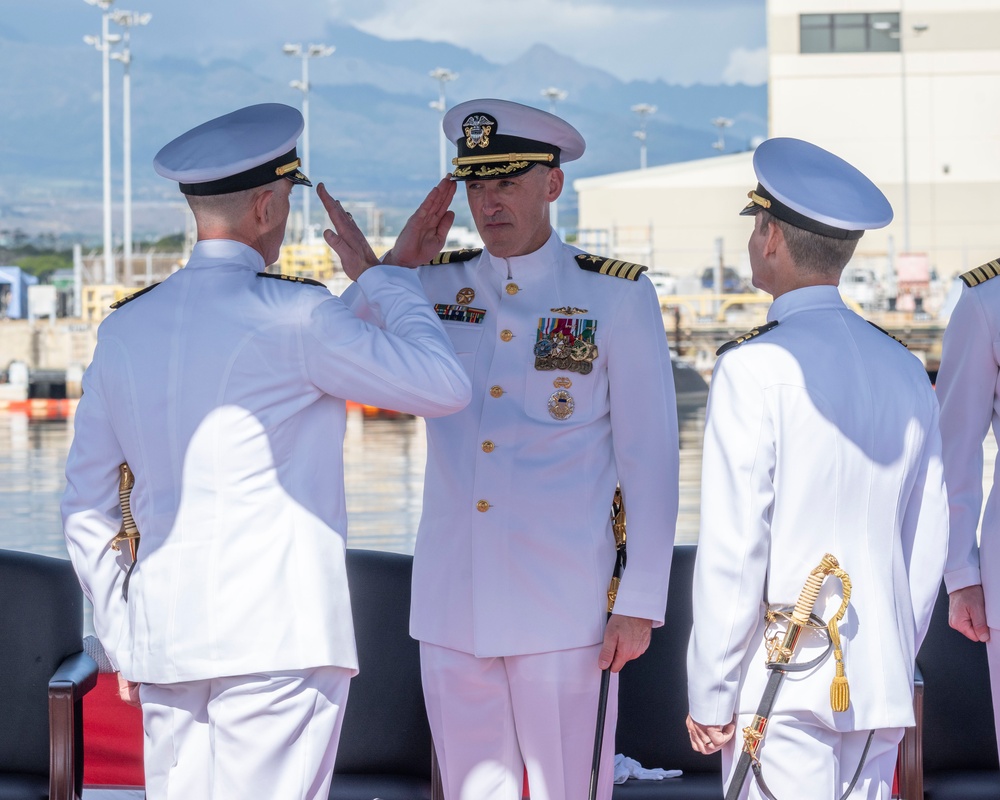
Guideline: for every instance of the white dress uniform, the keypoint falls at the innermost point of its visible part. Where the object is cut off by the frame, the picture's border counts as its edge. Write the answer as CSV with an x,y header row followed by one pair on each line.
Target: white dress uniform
x,y
223,389
515,551
968,387
821,436
572,394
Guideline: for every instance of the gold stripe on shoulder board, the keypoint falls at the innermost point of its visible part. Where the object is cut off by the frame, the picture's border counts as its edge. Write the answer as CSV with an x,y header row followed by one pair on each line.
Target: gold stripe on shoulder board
x,y
292,278
750,334
455,256
131,297
981,274
876,327
610,266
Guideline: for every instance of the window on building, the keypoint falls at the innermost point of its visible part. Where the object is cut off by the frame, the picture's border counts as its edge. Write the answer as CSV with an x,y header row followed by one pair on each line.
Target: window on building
x,y
849,33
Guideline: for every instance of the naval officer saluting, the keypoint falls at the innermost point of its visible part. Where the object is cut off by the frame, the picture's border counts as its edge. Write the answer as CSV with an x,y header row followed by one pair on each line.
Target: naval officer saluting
x,y
821,436
223,389
572,394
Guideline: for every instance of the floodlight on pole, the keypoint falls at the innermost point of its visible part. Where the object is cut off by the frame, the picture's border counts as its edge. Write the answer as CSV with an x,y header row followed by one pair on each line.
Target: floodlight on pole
x,y
895,32
128,20
721,123
103,45
305,53
442,76
644,110
554,95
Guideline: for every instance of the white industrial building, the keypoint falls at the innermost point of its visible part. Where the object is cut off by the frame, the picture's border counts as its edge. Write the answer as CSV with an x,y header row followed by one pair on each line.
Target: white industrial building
x,y
907,90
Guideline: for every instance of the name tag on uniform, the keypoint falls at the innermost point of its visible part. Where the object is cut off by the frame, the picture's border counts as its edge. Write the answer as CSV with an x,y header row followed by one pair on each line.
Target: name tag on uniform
x,y
450,312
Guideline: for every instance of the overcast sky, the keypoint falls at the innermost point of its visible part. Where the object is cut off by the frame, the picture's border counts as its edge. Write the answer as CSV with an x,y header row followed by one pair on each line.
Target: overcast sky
x,y
678,41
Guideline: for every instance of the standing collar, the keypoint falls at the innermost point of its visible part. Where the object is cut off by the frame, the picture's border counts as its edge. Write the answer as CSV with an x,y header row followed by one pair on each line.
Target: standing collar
x,y
208,252
808,298
530,265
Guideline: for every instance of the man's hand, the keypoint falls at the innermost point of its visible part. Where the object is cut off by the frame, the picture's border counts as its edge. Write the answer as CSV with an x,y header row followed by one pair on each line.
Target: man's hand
x,y
424,234
128,691
625,638
707,739
347,240
967,613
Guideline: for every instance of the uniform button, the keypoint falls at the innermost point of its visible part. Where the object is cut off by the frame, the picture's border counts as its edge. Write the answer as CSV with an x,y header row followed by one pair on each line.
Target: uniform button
x,y
513,288
483,505
506,335
496,391
488,446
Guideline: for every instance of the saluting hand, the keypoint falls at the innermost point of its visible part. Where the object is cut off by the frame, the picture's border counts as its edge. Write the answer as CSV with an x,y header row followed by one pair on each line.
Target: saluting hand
x,y
347,240
967,613
424,234
625,638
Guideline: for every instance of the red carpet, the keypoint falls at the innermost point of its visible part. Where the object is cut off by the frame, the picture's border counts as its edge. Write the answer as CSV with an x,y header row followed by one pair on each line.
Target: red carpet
x,y
112,735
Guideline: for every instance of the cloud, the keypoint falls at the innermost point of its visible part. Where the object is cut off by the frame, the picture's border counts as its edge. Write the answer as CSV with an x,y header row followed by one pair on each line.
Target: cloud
x,y
683,41
746,66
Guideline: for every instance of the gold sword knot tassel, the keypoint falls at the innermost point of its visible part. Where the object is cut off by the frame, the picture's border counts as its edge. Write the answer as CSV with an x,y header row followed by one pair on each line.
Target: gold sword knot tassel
x,y
840,691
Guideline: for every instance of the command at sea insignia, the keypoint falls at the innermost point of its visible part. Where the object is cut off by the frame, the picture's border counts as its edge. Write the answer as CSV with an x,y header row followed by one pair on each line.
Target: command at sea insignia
x,y
976,276
610,266
131,297
292,278
750,334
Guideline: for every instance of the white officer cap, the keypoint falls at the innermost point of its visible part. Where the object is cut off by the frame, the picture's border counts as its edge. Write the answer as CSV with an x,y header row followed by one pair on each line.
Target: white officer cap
x,y
241,150
498,139
811,188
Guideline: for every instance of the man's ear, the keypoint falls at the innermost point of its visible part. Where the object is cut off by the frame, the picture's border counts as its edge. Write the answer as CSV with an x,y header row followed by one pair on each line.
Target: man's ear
x,y
262,206
773,238
556,178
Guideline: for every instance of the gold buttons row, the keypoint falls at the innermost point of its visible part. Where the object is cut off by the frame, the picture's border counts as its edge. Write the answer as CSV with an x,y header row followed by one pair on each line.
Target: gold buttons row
x,y
488,446
506,335
483,506
513,288
496,391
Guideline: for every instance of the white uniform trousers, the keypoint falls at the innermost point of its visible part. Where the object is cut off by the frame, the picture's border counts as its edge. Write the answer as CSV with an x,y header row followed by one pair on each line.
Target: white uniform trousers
x,y
492,718
993,654
803,758
272,735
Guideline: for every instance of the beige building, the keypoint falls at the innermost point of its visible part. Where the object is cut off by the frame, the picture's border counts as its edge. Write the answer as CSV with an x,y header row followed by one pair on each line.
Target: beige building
x,y
907,90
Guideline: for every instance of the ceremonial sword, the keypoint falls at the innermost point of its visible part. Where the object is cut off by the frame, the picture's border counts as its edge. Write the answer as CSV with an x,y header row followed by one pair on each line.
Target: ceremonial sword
x,y
621,556
129,532
779,656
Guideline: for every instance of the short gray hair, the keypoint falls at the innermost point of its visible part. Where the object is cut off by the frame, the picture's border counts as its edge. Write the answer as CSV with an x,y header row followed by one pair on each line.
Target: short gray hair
x,y
810,251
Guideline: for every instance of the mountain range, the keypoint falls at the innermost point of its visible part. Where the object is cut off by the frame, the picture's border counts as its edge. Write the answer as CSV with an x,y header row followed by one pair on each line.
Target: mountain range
x,y
373,133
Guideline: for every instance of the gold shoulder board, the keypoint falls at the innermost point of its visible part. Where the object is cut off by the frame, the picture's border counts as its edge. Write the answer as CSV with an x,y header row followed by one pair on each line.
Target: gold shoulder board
x,y
979,275
293,278
610,266
131,297
455,256
888,334
750,334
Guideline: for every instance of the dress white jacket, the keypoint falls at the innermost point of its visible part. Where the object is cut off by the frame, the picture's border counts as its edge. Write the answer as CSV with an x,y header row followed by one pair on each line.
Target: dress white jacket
x,y
223,391
529,573
821,436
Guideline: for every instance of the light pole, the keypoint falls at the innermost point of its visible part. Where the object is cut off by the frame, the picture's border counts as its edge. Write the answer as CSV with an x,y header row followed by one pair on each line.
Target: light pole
x,y
721,123
644,110
127,19
895,32
442,76
305,53
554,95
103,44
